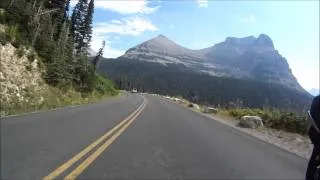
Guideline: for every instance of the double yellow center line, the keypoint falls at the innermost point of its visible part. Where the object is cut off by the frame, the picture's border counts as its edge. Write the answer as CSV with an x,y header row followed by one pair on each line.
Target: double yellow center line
x,y
109,137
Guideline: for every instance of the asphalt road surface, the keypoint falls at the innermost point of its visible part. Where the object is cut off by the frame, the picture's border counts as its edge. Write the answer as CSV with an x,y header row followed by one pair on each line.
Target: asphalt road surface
x,y
136,137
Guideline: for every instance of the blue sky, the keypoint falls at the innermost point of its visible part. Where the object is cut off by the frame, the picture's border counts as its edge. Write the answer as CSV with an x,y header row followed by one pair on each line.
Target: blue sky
x,y
292,25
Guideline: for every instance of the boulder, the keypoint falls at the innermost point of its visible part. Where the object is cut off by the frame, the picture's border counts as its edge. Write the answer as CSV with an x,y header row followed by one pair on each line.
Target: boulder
x,y
181,101
250,122
192,105
196,106
176,99
210,110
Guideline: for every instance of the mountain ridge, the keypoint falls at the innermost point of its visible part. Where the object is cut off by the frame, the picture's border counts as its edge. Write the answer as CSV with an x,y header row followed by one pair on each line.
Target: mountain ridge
x,y
244,58
178,80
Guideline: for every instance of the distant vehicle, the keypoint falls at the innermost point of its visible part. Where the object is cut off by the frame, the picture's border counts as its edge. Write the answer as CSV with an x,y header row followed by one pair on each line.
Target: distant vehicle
x,y
134,90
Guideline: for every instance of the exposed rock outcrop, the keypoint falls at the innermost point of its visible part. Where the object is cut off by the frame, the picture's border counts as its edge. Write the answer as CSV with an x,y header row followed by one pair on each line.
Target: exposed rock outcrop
x,y
20,77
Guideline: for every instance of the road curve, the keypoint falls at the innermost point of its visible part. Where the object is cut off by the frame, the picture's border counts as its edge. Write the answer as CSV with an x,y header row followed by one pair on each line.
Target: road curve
x,y
141,138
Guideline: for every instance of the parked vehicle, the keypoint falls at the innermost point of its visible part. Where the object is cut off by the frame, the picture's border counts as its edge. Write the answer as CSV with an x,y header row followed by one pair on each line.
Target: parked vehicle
x,y
134,90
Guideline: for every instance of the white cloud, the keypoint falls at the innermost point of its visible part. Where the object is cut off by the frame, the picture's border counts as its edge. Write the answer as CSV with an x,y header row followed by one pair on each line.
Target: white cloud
x,y
127,26
116,21
305,69
123,6
248,19
109,51
202,3
132,26
73,3
126,7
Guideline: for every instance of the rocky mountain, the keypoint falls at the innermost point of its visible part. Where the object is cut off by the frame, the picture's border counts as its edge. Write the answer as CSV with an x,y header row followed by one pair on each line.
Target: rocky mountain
x,y
245,71
178,80
241,58
162,50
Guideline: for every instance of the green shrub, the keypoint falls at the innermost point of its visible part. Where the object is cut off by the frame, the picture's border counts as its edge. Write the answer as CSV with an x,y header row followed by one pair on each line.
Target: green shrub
x,y
13,35
45,49
287,121
4,38
2,16
104,86
12,31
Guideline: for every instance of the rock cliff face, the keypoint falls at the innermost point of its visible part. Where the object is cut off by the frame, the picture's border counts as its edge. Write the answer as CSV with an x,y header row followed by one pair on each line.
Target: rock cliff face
x,y
162,50
20,77
244,58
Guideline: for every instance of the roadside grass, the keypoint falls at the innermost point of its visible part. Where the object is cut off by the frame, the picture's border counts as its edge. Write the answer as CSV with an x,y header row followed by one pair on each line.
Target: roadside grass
x,y
52,98
224,114
272,118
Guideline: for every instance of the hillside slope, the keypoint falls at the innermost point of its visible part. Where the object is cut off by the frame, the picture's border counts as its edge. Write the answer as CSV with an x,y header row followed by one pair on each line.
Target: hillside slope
x,y
43,64
178,80
23,89
20,78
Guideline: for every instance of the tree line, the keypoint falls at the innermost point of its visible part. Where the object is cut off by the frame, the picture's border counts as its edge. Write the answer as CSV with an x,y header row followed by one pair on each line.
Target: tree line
x,y
59,37
177,80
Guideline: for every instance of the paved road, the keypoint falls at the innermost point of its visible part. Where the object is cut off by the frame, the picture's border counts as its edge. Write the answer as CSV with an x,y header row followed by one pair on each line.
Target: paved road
x,y
159,140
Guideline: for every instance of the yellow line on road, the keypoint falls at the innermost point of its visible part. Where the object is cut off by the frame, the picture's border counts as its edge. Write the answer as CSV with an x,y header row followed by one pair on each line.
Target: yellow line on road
x,y
77,171
78,156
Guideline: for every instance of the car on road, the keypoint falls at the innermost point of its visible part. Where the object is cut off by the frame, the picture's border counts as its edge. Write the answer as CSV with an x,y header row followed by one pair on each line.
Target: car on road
x,y
134,90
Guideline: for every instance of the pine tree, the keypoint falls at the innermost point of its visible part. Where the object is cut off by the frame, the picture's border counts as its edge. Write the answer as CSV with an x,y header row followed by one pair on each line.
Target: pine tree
x,y
99,55
58,16
66,9
88,25
77,25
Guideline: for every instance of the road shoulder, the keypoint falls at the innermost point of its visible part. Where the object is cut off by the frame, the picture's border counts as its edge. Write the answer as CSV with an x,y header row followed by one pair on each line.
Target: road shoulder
x,y
291,142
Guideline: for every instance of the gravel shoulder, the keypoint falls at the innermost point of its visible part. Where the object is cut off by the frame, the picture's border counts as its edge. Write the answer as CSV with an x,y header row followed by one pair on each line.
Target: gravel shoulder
x,y
292,142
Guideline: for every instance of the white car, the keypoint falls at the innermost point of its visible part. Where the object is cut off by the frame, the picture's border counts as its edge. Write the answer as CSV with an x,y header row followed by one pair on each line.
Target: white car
x,y
134,90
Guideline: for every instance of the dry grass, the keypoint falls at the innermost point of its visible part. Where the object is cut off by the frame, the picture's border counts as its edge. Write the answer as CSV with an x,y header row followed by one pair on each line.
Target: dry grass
x,y
52,98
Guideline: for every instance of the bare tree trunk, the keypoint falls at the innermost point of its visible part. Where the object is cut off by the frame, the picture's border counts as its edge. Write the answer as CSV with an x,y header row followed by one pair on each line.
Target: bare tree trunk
x,y
34,4
67,35
52,30
36,21
63,44
35,35
38,12
11,3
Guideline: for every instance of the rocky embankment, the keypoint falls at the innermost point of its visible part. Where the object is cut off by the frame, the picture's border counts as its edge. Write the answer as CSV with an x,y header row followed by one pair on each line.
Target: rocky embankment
x,y
20,78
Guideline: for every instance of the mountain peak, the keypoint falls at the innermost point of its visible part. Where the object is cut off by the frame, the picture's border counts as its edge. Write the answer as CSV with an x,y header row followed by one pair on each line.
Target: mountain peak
x,y
244,40
161,36
264,40
161,45
263,36
160,39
